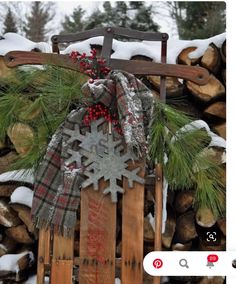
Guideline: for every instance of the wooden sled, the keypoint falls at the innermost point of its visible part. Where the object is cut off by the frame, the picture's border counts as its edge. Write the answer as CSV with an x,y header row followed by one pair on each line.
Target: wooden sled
x,y
97,263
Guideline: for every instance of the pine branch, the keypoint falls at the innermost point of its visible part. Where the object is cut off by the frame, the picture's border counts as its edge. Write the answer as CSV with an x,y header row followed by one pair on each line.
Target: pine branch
x,y
186,168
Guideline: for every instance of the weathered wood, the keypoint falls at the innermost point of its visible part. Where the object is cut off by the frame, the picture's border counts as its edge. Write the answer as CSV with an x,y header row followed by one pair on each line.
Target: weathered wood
x,y
205,217
223,51
183,57
223,75
211,59
216,155
102,32
173,86
221,223
25,215
6,161
8,217
195,74
24,262
168,235
211,280
132,232
148,231
183,200
158,212
158,206
62,259
19,234
216,110
141,57
185,227
43,254
97,237
2,144
5,72
8,245
21,135
6,190
61,271
221,130
212,90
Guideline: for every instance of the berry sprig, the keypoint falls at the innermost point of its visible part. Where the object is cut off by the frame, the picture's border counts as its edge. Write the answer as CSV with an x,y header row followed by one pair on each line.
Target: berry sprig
x,y
91,65
99,110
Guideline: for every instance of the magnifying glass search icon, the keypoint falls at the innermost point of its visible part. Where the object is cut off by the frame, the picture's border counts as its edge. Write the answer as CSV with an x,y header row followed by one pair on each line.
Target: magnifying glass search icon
x,y
183,262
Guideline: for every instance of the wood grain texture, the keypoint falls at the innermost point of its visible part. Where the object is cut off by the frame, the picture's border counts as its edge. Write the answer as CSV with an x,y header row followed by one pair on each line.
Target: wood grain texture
x,y
97,237
158,213
61,272
194,74
132,232
62,261
43,254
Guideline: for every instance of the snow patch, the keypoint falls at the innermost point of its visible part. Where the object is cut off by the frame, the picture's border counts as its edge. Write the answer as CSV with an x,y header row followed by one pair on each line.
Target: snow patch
x,y
33,280
122,50
13,41
22,195
152,49
8,262
18,175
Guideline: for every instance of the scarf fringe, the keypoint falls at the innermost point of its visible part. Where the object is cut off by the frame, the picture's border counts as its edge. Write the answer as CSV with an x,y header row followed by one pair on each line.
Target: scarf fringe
x,y
60,230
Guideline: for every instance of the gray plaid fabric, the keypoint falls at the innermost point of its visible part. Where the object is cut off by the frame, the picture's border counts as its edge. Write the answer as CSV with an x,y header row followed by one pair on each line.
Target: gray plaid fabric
x,y
57,187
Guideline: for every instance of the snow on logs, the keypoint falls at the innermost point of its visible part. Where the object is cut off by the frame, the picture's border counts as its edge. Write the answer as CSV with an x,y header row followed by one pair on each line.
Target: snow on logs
x,y
18,237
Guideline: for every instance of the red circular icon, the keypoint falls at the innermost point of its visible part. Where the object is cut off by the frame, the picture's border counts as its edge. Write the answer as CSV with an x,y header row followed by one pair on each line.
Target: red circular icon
x,y
212,258
157,263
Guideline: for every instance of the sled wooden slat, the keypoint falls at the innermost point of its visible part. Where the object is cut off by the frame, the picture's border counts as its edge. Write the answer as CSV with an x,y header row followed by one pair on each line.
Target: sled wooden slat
x,y
97,237
132,232
62,247
61,271
43,254
62,260
158,213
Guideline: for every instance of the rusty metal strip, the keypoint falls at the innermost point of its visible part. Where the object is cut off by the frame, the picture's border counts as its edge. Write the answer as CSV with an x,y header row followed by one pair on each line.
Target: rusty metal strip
x,y
197,75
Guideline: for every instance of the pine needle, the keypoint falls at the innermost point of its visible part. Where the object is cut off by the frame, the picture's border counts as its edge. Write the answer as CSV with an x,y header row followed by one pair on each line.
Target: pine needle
x,y
41,99
185,168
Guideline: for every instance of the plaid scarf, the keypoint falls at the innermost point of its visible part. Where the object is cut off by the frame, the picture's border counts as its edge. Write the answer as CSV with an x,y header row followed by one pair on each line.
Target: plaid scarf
x,y
57,187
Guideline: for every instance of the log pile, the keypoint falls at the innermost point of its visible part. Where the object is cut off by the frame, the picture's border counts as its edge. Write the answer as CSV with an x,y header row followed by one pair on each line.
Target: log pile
x,y
186,227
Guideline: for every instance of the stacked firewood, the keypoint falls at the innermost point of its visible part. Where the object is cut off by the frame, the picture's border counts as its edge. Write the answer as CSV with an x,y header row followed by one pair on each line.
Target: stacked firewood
x,y
18,237
186,227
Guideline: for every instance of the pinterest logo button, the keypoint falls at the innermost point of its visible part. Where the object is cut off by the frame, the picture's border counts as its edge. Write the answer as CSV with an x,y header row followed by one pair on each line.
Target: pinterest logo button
x,y
157,263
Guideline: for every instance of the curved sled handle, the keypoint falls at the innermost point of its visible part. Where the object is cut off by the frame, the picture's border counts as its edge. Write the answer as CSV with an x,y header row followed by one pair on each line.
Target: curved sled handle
x,y
195,74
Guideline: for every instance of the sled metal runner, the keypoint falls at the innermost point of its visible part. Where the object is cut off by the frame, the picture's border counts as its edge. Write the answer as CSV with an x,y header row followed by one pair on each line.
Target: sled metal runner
x,y
55,253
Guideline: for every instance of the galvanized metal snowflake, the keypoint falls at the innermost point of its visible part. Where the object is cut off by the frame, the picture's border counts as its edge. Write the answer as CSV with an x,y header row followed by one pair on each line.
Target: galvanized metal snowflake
x,y
111,165
87,141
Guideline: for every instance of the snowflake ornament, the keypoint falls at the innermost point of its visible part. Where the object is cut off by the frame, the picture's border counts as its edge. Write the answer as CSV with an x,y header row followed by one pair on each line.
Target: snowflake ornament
x,y
110,164
87,141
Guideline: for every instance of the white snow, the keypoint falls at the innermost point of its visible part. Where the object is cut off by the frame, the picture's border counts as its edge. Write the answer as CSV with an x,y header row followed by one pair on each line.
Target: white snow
x,y
33,280
216,140
18,175
122,50
8,262
152,49
13,41
22,195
